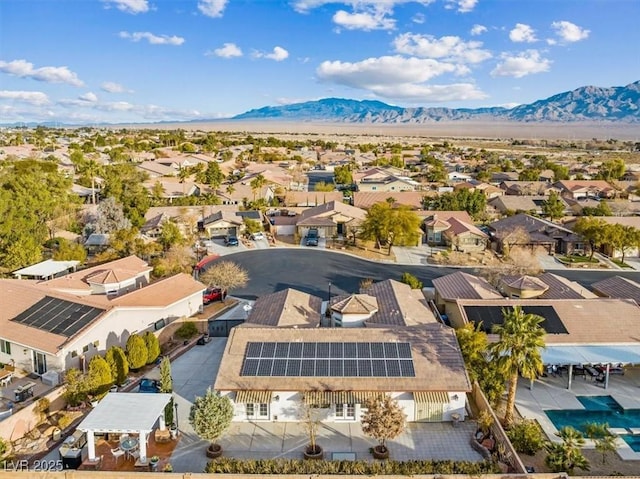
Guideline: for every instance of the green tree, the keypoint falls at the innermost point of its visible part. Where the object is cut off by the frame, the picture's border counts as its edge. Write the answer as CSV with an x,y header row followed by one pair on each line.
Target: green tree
x,y
387,225
213,175
529,174
411,280
226,275
567,455
342,175
517,351
526,436
166,386
605,442
553,207
69,251
612,169
211,415
153,346
170,235
99,376
136,352
118,364
323,186
593,230
384,420
76,387
621,238
256,184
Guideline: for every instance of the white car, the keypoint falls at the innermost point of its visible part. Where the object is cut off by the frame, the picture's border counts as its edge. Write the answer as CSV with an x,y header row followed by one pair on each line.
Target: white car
x,y
257,236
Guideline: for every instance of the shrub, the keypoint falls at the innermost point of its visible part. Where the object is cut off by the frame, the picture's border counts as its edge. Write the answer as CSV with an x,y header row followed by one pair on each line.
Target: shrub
x,y
526,437
136,352
77,387
411,280
64,421
211,415
42,409
117,361
187,330
153,346
99,376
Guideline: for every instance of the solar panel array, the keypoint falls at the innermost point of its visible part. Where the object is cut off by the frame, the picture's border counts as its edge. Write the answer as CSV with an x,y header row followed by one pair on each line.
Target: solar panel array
x,y
491,315
58,316
294,359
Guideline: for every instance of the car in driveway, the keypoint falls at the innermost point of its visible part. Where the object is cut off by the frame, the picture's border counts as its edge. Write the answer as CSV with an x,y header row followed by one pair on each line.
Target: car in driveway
x,y
213,294
259,235
149,386
231,241
312,237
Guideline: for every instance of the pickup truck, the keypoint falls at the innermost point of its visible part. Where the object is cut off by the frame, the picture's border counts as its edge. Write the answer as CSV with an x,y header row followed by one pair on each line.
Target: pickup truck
x,y
312,237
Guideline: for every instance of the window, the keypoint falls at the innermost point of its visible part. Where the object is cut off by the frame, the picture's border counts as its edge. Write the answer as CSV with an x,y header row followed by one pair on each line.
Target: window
x,y
85,348
5,346
74,354
96,344
257,411
346,411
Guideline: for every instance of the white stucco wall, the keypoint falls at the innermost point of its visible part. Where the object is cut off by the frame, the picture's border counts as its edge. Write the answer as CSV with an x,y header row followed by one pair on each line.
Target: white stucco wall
x,y
350,320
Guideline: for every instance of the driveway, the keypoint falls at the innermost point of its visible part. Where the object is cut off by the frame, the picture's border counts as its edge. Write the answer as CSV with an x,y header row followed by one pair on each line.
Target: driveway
x,y
217,246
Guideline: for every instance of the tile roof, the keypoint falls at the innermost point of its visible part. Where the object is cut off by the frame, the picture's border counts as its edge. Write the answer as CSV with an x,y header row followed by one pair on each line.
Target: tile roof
x,y
562,288
161,293
445,215
329,210
366,199
311,198
288,307
356,304
436,355
398,305
458,227
587,321
460,285
525,283
618,287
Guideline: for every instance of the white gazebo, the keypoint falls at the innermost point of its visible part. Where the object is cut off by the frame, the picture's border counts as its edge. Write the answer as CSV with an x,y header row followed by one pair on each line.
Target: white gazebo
x,y
125,413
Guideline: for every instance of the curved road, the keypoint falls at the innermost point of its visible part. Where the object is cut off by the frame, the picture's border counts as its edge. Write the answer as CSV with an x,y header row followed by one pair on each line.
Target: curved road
x,y
311,271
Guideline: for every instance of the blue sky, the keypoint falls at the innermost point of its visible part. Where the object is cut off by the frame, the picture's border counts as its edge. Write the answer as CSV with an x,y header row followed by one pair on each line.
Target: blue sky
x,y
89,61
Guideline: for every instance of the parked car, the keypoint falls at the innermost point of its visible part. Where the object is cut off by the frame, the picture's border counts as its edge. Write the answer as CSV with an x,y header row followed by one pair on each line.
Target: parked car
x,y
231,241
149,386
257,236
213,294
312,237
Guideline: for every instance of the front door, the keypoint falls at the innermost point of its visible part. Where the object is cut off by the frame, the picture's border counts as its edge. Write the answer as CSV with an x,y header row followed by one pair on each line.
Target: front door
x,y
39,363
257,411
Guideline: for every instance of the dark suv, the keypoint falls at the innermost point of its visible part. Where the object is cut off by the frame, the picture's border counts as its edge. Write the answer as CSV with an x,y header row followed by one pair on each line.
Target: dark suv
x,y
231,241
312,237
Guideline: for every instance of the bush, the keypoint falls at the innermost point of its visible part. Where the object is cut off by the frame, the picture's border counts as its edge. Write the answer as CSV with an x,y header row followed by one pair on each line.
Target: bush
x,y
117,360
526,437
227,465
411,280
187,330
136,352
99,376
64,421
77,387
153,346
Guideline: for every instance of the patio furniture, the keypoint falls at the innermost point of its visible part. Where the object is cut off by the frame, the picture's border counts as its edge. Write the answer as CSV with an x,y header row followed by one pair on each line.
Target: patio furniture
x,y
117,453
128,445
135,454
24,392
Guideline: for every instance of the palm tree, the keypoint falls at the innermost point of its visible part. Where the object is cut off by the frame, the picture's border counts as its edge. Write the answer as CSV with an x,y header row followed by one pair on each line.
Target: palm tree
x,y
518,350
256,184
183,174
567,455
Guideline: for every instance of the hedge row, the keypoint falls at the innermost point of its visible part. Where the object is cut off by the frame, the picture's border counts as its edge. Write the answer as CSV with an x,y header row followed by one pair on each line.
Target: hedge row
x,y
227,465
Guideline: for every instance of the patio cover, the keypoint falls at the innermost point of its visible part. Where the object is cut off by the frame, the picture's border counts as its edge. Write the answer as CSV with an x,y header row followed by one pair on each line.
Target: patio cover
x,y
47,268
126,413
591,354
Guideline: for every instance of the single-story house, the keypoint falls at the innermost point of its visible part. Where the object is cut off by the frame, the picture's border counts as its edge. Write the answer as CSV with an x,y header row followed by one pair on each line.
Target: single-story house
x,y
524,204
527,188
332,218
459,285
47,269
617,287
310,198
221,224
413,199
577,189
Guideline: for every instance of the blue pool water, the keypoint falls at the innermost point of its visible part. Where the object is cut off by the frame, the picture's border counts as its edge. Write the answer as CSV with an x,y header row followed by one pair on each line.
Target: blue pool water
x,y
599,409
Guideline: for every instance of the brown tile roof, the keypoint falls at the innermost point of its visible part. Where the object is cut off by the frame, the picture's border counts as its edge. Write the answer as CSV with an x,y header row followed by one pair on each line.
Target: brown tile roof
x,y
458,227
356,304
366,199
110,276
398,305
461,285
525,283
288,307
562,288
311,198
445,215
587,321
125,268
330,210
161,293
436,356
618,287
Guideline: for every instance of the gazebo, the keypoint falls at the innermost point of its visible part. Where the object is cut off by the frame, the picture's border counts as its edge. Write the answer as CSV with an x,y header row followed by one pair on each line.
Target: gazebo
x,y
125,413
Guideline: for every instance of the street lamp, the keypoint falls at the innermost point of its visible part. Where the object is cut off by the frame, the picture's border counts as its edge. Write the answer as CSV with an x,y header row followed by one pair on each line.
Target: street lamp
x,y
175,404
327,312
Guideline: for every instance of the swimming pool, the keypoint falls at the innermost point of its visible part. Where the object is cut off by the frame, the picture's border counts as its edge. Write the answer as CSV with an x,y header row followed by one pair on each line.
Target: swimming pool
x,y
599,409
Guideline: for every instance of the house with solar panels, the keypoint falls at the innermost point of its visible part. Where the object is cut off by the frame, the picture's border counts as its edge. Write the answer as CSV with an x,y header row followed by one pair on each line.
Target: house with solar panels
x,y
294,350
58,324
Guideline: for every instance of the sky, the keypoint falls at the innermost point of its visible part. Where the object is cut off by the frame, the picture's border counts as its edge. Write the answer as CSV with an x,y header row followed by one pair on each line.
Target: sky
x,y
91,61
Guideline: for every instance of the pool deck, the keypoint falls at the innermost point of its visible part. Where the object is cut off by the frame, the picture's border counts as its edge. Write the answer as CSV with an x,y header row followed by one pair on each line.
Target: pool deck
x,y
552,393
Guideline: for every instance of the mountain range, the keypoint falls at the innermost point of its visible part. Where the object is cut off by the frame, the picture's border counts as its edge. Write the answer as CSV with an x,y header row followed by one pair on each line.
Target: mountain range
x,y
585,104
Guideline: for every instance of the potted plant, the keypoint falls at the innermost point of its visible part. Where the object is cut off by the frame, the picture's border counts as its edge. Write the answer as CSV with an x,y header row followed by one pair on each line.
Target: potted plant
x,y
167,467
210,417
311,419
383,420
153,463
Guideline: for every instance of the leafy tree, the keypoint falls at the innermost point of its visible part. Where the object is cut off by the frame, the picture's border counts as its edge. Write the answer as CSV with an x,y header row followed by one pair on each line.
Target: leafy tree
x,y
179,259
567,455
77,387
323,186
383,420
622,237
125,183
252,226
593,230
529,174
518,350
118,364
342,175
69,251
411,280
211,415
473,202
612,169
213,175
226,275
110,217
387,225
153,346
526,437
170,235
553,207
136,352
166,386
99,376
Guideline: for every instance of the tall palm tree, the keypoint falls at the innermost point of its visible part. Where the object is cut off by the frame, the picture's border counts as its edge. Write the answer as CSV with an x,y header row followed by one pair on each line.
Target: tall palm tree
x,y
256,184
518,350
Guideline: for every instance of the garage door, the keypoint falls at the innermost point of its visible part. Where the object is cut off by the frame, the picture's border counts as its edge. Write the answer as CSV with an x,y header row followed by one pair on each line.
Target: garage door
x,y
221,232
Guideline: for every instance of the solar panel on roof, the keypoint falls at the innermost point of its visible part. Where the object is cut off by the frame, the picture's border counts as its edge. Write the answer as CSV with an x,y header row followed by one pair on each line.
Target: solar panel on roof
x,y
307,368
295,350
322,367
322,350
364,350
293,367
58,316
350,350
351,367
282,350
364,368
336,350
492,315
253,350
390,350
336,368
279,367
377,350
404,350
393,368
265,366
379,367
406,369
308,350
268,350
250,367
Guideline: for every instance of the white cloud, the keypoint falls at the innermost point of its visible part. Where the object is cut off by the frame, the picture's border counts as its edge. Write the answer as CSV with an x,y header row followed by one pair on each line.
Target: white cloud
x,y
418,18
25,69
304,6
478,29
31,97
375,19
89,97
212,8
449,47
278,54
570,32
228,50
130,6
112,87
152,38
523,33
523,64
462,6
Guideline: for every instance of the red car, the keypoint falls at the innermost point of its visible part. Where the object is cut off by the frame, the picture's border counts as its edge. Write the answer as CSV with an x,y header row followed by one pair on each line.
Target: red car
x,y
213,294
